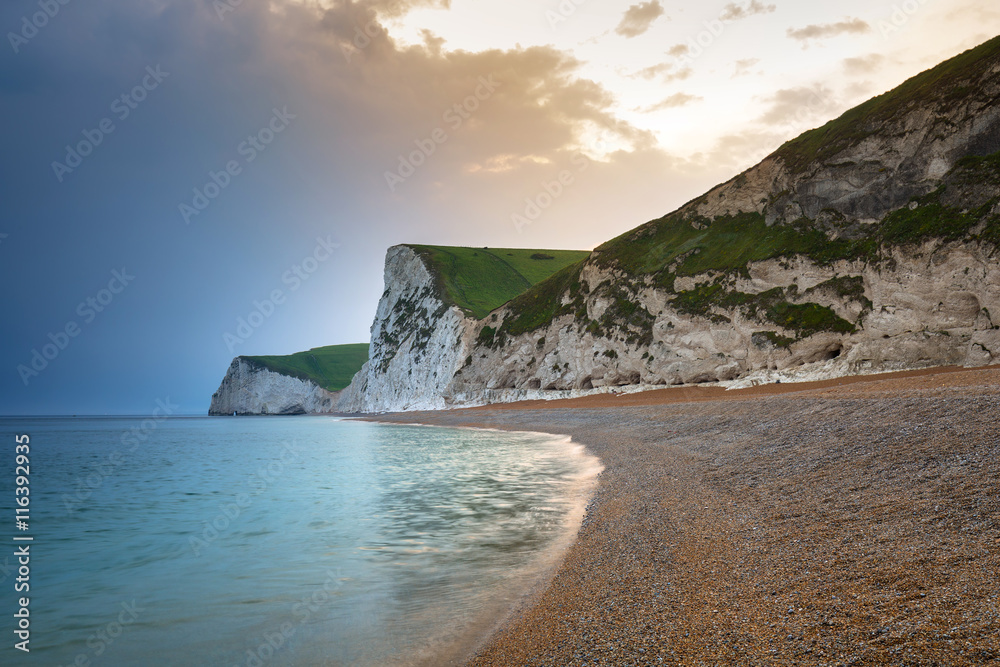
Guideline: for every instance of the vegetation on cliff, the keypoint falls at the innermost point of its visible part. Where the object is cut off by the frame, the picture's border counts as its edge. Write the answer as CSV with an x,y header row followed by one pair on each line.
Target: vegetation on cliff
x,y
965,207
330,367
479,280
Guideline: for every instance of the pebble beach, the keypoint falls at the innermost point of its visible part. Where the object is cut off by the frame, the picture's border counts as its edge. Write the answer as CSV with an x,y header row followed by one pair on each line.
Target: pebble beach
x,y
847,522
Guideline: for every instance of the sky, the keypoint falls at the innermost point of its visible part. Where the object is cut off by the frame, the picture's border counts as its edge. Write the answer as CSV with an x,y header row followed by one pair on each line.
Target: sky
x,y
185,181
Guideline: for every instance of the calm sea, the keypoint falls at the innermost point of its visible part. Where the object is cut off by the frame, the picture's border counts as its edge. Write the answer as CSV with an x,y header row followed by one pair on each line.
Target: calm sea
x,y
276,541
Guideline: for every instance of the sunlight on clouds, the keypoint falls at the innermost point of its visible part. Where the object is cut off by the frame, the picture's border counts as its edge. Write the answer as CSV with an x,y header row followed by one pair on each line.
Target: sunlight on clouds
x,y
697,88
697,49
505,162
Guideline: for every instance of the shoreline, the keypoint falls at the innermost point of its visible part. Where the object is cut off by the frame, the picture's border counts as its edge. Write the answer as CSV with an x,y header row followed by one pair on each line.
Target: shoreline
x,y
531,579
529,584
846,521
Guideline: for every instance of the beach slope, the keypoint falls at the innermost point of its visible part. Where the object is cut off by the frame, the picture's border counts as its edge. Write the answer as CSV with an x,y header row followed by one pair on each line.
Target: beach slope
x,y
829,524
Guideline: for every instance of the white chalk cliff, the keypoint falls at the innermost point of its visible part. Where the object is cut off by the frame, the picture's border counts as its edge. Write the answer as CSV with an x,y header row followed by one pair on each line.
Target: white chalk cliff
x,y
418,343
251,389
932,309
924,303
905,188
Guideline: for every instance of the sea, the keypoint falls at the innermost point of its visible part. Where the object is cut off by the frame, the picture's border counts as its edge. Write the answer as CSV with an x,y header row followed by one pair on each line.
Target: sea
x,y
253,541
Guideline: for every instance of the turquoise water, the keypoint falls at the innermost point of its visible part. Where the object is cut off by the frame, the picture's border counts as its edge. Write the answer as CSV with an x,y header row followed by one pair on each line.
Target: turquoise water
x,y
275,541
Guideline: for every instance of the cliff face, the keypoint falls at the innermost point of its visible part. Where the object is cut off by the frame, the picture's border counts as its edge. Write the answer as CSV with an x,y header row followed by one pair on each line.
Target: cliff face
x,y
907,156
932,309
418,342
867,245
250,389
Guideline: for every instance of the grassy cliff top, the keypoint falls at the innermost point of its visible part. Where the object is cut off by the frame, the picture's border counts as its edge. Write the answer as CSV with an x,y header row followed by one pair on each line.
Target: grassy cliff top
x,y
331,367
479,280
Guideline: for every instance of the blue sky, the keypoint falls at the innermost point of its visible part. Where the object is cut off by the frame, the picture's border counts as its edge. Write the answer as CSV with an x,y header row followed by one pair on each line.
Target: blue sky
x,y
282,124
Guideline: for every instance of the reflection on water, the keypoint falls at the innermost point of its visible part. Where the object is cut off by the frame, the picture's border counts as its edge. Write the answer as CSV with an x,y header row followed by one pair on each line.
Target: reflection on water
x,y
280,541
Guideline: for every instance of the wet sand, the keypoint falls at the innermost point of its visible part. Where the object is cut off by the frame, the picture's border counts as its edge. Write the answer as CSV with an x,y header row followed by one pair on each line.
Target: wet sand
x,y
848,522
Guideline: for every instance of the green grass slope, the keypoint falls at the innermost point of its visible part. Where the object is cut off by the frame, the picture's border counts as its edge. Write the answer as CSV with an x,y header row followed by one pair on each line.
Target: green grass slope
x,y
479,280
330,367
684,244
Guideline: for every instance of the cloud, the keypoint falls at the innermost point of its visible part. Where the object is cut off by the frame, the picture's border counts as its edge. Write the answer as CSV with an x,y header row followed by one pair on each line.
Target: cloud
x,y
678,50
741,150
678,75
397,8
394,95
787,113
743,67
794,107
675,101
652,71
433,43
638,18
863,64
860,90
735,12
505,162
849,26
668,72
366,93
